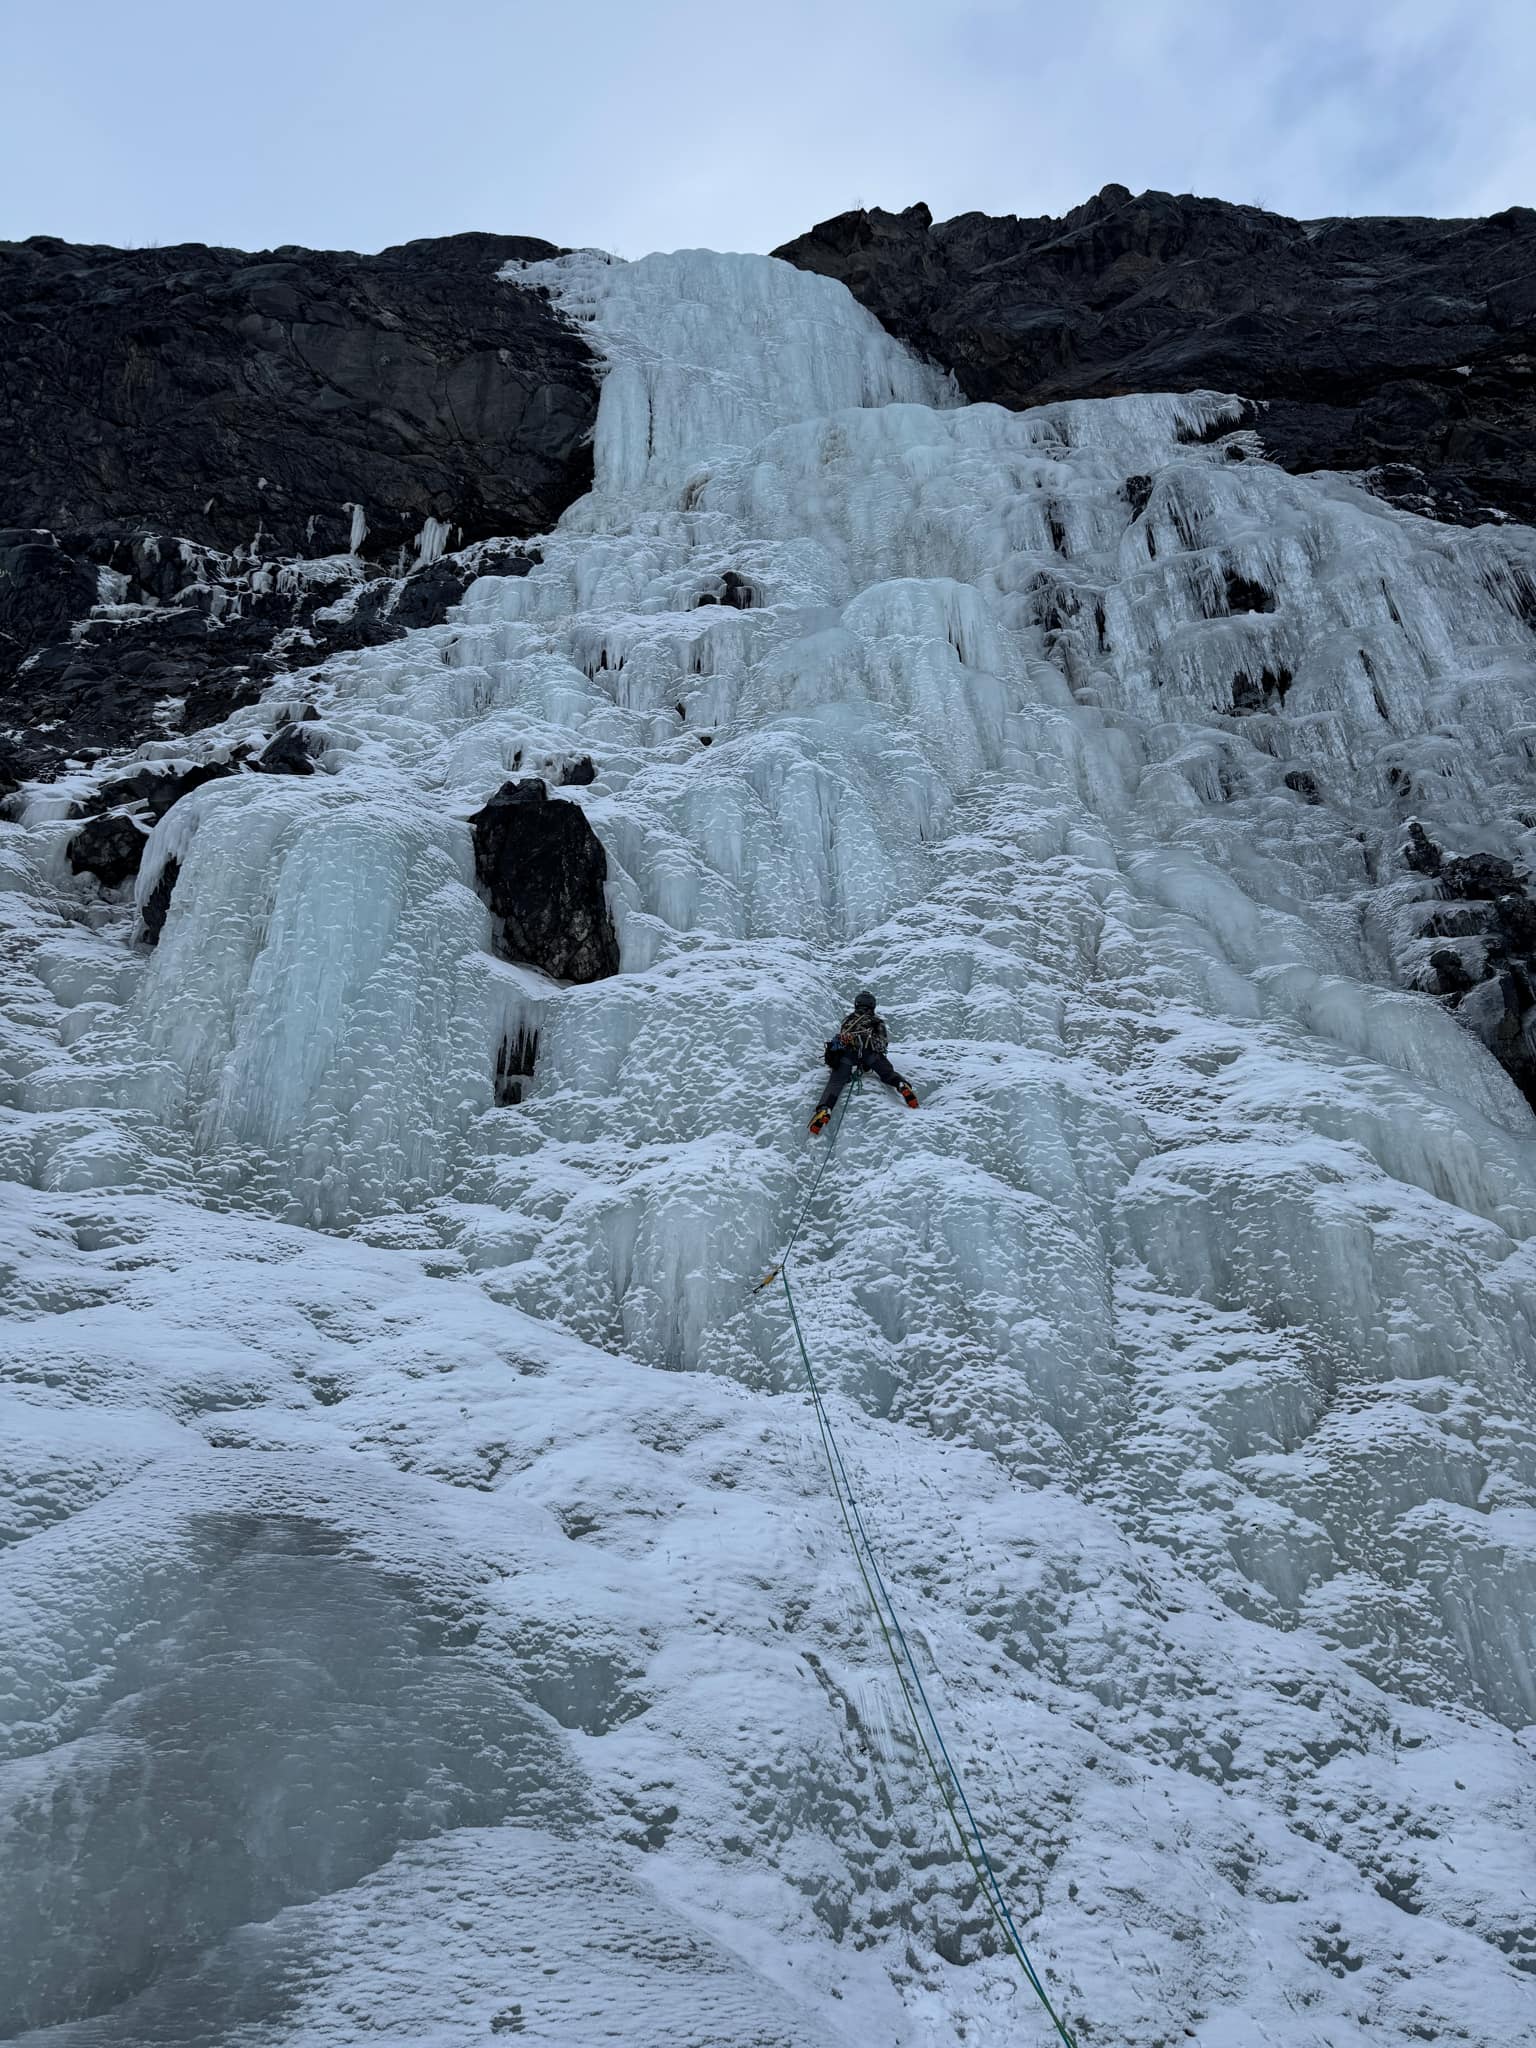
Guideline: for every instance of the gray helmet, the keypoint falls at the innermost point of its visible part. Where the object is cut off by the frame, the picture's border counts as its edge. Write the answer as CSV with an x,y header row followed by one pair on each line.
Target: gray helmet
x,y
864,1000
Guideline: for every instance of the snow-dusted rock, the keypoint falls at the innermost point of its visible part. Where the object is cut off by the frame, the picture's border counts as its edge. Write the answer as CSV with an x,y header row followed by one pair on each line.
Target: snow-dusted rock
x,y
544,873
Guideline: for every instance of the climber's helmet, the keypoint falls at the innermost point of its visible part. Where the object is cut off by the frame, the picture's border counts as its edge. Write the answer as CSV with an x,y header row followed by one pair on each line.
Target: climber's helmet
x,y
864,1000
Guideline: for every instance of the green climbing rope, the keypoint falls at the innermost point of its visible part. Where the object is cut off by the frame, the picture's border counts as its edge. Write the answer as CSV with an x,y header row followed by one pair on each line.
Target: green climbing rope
x,y
920,1712
774,1272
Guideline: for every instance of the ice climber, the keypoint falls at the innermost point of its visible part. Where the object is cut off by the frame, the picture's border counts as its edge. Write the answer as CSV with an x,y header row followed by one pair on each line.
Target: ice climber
x,y
859,1048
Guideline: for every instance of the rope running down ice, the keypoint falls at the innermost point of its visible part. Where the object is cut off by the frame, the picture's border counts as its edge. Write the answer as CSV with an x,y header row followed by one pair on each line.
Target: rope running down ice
x,y
919,1709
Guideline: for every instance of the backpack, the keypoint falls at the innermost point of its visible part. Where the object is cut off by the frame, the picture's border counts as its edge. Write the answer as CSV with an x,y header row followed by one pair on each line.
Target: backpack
x,y
862,1032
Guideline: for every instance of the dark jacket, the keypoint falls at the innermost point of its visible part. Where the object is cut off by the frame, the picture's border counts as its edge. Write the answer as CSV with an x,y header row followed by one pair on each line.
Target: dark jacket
x,y
863,1034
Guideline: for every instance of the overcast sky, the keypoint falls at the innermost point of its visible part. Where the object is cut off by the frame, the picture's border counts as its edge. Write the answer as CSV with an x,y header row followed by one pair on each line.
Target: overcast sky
x,y
633,126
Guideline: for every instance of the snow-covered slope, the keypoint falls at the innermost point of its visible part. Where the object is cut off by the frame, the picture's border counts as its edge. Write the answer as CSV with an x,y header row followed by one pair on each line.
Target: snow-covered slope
x,y
426,1614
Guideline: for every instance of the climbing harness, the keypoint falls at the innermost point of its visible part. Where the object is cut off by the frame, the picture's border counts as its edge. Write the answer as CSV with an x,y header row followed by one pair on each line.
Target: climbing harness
x,y
920,1712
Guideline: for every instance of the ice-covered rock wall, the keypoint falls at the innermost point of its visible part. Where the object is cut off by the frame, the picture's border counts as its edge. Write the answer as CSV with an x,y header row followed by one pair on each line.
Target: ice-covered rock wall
x,y
1183,1343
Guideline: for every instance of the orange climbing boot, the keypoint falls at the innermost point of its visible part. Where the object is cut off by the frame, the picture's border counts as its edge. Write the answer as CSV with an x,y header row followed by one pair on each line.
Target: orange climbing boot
x,y
820,1121
909,1095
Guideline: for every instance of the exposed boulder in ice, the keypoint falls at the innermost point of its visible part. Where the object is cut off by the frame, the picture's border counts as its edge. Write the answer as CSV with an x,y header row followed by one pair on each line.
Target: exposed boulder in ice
x,y
290,752
733,590
122,808
425,597
108,848
545,874
156,788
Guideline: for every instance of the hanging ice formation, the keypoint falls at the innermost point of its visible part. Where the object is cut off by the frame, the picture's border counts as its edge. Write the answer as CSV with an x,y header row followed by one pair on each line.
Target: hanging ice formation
x,y
398,1648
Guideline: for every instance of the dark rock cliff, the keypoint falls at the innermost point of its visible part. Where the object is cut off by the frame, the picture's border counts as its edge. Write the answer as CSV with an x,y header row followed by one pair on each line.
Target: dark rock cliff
x,y
250,401
1406,347
178,424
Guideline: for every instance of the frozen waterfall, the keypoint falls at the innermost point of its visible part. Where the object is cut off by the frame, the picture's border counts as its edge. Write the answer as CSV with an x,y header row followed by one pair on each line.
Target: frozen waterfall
x,y
425,1616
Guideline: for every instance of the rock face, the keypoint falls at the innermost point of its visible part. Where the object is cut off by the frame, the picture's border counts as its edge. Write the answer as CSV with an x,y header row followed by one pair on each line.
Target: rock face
x,y
157,788
290,753
201,449
1404,346
111,849
221,396
1486,969
194,634
543,871
43,591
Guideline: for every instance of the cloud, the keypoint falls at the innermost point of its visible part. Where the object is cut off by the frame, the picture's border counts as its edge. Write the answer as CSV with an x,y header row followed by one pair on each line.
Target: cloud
x,y
638,126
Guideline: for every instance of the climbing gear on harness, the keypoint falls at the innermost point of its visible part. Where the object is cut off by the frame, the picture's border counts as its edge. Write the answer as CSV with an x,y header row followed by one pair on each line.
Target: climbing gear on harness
x,y
862,1032
925,1726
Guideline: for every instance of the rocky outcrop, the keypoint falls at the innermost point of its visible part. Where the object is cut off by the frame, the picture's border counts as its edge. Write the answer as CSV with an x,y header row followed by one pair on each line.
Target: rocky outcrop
x,y
1406,348
111,849
111,844
291,752
154,788
201,450
43,591
543,872
732,589
194,634
1485,967
279,402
